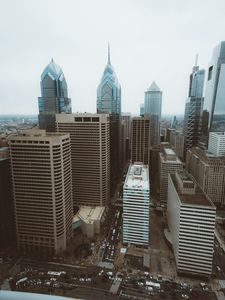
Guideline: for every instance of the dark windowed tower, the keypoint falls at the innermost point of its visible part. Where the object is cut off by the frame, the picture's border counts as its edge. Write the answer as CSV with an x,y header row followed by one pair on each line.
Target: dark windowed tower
x,y
54,98
109,101
193,109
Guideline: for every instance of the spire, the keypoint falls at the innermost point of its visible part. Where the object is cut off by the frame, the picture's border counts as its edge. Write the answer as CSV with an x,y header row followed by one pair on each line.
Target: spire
x,y
196,60
52,60
109,53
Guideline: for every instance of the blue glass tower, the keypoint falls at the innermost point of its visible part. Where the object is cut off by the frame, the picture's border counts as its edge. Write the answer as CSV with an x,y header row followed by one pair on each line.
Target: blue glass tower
x,y
54,97
109,91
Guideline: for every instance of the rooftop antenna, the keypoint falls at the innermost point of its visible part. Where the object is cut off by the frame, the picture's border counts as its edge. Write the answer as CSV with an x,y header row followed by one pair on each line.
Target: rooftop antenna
x,y
196,60
109,53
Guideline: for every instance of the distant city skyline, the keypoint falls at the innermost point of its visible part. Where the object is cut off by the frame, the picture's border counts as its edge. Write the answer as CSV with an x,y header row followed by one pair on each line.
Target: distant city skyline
x,y
150,41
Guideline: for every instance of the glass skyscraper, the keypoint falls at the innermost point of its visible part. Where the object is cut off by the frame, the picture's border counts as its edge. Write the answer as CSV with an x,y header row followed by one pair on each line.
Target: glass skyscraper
x,y
54,97
153,105
193,109
109,91
214,104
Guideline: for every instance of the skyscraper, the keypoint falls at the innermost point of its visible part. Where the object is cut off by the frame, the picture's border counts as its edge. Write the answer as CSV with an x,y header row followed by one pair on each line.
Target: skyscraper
x,y
125,136
136,204
140,140
191,219
193,109
153,104
54,97
109,102
90,148
217,143
42,191
214,104
109,91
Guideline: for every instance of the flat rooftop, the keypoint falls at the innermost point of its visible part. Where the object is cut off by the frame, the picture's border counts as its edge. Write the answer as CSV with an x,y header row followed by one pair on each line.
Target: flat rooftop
x,y
191,199
137,176
89,214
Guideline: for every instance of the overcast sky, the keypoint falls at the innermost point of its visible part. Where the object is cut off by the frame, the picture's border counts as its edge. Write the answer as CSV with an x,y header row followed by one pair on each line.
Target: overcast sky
x,y
150,40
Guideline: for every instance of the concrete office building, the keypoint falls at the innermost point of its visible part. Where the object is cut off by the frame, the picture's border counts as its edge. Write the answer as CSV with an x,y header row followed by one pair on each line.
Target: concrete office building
x,y
216,144
42,191
54,97
177,142
153,107
209,172
136,205
140,140
90,148
191,218
169,163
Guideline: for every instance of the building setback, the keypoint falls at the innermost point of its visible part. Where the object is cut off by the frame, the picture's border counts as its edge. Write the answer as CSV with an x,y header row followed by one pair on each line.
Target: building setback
x,y
136,204
209,172
140,140
191,219
90,148
169,163
42,191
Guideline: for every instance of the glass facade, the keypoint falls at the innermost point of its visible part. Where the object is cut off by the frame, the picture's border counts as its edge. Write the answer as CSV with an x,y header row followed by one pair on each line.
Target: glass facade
x,y
54,97
153,106
214,105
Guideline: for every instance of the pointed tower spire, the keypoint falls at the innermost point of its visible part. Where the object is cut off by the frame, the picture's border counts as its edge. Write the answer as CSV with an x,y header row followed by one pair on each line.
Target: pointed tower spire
x,y
109,53
196,60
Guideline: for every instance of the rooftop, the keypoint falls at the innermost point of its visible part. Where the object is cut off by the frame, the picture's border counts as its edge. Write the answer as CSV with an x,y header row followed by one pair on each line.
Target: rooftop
x,y
191,199
89,214
137,176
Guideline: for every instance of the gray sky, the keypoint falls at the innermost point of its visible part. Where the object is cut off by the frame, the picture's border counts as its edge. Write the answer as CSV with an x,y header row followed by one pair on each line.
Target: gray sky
x,y
150,40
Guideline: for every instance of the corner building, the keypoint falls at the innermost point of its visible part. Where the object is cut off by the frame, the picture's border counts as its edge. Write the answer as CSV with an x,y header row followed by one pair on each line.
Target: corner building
x,y
136,206
90,148
42,191
191,219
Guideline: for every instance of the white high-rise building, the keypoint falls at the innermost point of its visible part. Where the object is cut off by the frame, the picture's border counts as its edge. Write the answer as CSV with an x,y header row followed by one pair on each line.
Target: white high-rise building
x,y
169,163
217,143
42,191
191,219
136,204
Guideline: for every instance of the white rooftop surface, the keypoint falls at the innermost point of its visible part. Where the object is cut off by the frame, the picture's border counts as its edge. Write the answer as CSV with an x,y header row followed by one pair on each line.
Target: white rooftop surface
x,y
169,151
90,214
137,177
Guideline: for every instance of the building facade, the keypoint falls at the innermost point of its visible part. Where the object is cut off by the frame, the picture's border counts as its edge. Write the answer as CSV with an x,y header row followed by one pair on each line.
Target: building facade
x,y
54,96
191,218
125,137
140,140
169,163
90,148
153,107
136,206
216,144
42,191
214,104
209,172
193,109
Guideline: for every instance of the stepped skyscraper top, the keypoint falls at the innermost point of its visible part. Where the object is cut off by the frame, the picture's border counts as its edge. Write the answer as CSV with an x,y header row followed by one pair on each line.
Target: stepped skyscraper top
x,y
53,70
109,91
153,87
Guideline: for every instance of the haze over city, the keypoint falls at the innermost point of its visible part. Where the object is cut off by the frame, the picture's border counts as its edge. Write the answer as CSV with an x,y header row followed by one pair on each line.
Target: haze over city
x,y
150,40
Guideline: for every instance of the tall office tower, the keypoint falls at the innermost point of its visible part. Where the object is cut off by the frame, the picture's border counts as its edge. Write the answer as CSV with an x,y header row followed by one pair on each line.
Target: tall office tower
x,y
140,140
109,102
214,104
176,139
125,136
209,172
42,191
169,163
173,122
167,133
191,218
136,205
217,143
142,110
54,98
7,223
153,104
193,109
90,150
